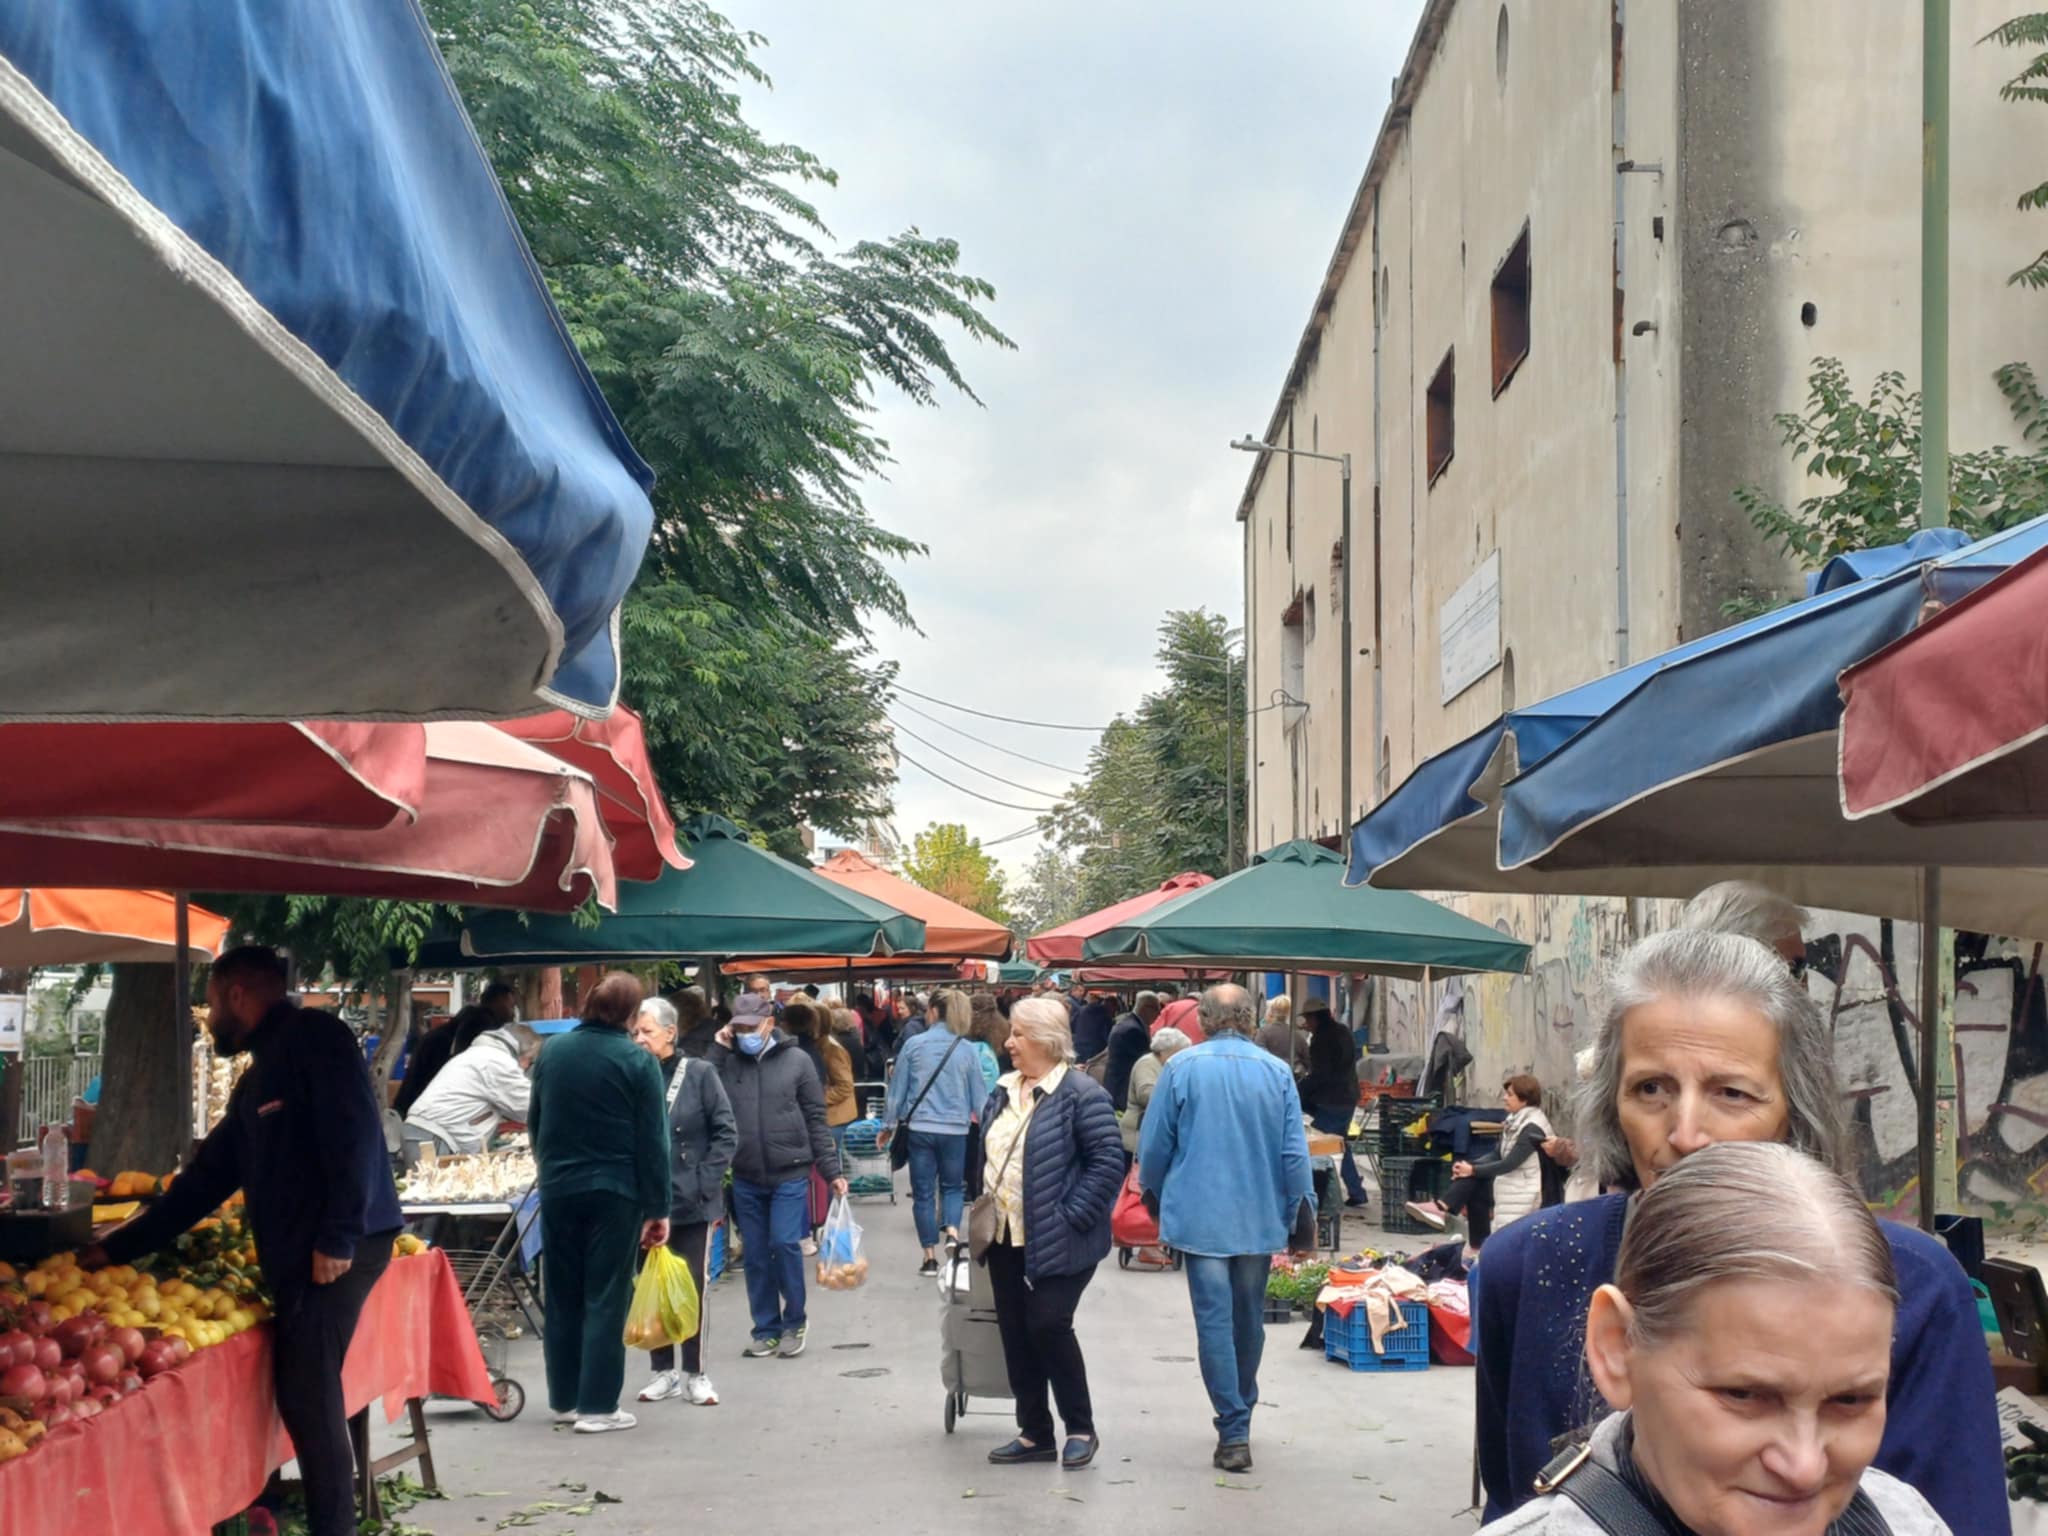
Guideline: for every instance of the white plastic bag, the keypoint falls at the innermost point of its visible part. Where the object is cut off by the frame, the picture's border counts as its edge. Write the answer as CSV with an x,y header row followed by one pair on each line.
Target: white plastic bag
x,y
841,1264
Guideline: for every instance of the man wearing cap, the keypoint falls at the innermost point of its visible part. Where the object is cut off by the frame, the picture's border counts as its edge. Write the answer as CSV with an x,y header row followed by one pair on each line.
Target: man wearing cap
x,y
1329,1093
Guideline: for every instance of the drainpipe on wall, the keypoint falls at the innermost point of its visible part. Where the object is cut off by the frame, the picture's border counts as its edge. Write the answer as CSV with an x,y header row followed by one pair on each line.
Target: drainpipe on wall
x,y
1621,162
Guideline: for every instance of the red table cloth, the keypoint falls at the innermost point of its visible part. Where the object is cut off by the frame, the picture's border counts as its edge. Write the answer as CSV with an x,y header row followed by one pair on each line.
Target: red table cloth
x,y
197,1444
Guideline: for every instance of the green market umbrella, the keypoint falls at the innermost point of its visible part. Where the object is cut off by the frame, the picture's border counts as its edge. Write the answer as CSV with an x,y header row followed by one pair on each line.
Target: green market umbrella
x,y
1018,973
1289,910
733,900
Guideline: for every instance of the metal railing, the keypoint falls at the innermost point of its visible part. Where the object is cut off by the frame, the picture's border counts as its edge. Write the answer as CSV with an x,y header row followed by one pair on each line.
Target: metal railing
x,y
48,1085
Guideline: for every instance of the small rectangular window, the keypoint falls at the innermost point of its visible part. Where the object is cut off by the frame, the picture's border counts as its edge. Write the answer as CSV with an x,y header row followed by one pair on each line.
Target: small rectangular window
x,y
1511,311
1441,425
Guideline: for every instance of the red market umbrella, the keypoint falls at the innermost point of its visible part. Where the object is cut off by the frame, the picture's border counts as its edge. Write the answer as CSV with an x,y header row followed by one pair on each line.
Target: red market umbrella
x,y
499,824
1061,946
1949,725
44,926
613,751
951,932
328,774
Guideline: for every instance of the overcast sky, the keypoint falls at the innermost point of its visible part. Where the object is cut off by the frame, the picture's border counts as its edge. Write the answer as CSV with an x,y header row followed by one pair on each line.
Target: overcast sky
x,y
1154,189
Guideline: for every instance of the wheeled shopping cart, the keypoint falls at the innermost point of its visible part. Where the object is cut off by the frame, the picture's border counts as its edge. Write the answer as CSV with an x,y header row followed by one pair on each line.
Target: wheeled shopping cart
x,y
867,1170
498,1289
971,1361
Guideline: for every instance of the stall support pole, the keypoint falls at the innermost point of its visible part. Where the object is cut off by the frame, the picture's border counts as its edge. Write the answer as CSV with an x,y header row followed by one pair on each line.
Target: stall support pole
x,y
1937,1075
181,1011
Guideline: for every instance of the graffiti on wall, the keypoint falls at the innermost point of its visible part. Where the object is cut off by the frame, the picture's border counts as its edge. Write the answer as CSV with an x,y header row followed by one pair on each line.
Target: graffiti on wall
x,y
1863,974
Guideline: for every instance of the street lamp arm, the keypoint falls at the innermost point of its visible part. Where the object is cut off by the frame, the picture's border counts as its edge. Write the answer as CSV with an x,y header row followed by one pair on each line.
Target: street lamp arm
x,y
1253,445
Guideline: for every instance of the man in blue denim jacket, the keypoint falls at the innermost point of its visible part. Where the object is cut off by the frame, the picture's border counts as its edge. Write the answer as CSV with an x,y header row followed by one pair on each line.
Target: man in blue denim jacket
x,y
1224,1159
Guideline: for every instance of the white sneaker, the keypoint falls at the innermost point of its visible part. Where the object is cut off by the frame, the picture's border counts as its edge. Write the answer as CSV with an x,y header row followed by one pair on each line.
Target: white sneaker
x,y
666,1384
700,1391
604,1423
809,1246
562,1419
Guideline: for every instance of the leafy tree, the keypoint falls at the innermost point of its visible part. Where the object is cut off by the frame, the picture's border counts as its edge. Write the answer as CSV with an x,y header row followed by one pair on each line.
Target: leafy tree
x,y
1050,893
2030,84
1868,450
949,863
1157,797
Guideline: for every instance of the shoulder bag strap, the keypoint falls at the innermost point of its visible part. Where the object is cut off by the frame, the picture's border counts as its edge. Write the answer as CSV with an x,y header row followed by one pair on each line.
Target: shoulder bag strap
x,y
930,1083
675,1084
1611,1504
1016,1141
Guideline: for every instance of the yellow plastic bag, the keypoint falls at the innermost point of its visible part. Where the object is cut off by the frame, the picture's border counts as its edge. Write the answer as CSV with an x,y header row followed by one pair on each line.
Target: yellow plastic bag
x,y
664,1309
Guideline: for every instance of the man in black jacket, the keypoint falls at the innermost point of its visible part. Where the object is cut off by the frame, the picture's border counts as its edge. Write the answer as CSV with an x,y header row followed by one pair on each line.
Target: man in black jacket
x,y
1330,1090
1129,1039
302,1137
779,1105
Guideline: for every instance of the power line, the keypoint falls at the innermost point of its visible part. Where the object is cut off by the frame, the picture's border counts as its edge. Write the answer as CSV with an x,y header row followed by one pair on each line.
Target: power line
x,y
993,746
1043,725
1011,837
1008,805
1029,789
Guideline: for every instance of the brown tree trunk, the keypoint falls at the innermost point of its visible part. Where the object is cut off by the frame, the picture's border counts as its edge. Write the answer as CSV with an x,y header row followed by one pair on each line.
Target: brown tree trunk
x,y
145,1114
549,1004
397,1025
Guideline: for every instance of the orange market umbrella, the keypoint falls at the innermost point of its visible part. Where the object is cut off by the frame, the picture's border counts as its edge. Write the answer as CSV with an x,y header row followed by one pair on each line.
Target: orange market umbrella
x,y
56,926
951,931
1061,946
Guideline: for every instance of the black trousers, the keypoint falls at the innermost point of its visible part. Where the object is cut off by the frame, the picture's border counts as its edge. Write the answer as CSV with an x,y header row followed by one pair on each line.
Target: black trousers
x,y
1473,1199
691,1244
1039,1346
310,1340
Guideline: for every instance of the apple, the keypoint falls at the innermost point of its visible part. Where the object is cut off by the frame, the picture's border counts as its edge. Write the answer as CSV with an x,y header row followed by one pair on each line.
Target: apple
x,y
24,1381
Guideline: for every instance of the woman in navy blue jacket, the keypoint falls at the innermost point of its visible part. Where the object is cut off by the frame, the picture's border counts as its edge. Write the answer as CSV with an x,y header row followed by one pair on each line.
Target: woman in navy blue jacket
x,y
1708,1038
1053,1159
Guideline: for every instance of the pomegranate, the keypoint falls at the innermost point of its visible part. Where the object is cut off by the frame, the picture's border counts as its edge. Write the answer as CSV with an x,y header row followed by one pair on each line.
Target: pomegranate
x,y
39,1317
48,1356
129,1381
53,1413
181,1351
155,1359
16,1348
24,1381
129,1341
103,1362
73,1335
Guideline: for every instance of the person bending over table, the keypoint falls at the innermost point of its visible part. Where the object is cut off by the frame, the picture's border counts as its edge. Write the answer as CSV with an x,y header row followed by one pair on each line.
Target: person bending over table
x,y
303,1138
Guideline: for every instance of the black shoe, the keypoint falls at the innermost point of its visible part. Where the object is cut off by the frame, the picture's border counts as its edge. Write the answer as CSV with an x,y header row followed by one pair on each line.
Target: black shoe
x,y
1079,1451
1357,1205
1017,1452
928,1267
1234,1457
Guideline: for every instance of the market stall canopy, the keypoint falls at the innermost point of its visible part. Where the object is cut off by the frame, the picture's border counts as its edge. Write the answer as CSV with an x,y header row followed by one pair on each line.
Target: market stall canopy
x,y
1713,761
951,932
1018,973
733,900
499,823
1063,945
44,926
279,379
1289,910
1950,724
322,774
613,751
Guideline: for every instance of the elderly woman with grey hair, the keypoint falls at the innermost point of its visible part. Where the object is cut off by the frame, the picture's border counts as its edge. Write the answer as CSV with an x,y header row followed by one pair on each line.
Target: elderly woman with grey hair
x,y
1707,1038
1145,1077
1745,1346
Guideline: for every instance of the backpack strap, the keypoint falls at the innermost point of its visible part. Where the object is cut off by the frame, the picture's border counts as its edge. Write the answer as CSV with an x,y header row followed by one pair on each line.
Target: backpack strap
x,y
1610,1503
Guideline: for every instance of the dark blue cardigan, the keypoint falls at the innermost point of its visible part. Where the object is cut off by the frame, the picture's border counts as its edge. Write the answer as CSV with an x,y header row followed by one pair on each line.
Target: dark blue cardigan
x,y
1073,1166
1538,1274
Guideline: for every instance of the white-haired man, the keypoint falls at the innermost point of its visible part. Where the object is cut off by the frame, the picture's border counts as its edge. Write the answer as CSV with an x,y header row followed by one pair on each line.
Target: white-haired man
x,y
1223,1158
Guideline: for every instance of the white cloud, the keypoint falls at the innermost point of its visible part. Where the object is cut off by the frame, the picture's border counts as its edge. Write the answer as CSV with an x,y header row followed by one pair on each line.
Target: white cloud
x,y
1154,189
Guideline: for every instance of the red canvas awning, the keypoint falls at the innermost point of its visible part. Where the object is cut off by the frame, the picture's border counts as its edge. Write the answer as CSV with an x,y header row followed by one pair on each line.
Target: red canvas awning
x,y
1061,946
613,751
952,933
499,824
1950,724
324,774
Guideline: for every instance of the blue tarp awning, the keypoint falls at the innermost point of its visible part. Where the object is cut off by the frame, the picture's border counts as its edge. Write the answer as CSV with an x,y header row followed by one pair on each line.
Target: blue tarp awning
x,y
1710,760
292,421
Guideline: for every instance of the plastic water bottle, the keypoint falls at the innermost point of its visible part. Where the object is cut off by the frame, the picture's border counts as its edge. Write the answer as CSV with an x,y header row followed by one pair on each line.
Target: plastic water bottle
x,y
56,1169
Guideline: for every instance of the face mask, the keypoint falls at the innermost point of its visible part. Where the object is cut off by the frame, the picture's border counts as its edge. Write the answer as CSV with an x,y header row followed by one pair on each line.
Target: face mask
x,y
753,1045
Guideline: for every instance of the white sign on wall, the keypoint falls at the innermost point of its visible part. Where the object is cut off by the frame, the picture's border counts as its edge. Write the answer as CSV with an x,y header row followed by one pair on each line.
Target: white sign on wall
x,y
1468,629
13,1015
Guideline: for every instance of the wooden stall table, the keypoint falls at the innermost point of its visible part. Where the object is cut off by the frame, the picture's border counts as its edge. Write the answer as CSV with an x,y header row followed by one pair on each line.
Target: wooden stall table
x,y
197,1445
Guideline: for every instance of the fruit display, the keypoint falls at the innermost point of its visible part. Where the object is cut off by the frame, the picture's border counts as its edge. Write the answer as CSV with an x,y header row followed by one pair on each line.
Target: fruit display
x,y
405,1245
127,1186
488,1178
72,1343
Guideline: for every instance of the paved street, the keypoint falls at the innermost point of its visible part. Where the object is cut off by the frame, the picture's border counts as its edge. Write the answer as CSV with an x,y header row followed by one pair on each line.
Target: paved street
x,y
851,1437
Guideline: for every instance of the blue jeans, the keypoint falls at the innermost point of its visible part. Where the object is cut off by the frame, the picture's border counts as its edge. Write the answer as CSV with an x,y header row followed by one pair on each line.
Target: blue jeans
x,y
1229,1296
774,1219
1337,1122
937,1158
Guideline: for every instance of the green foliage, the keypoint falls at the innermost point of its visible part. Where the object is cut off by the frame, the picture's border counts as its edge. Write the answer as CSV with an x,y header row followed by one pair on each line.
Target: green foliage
x,y
1155,802
356,939
1868,450
1050,893
947,862
2029,31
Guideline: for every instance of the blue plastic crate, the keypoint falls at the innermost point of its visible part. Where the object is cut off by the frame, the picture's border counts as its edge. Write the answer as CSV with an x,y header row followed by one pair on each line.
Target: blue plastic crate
x,y
1349,1339
715,1265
